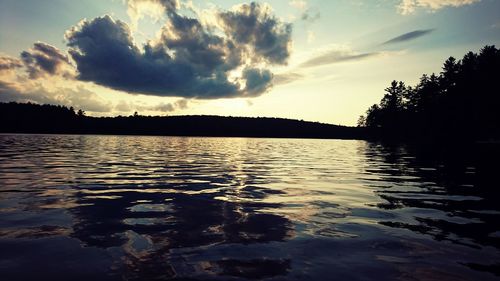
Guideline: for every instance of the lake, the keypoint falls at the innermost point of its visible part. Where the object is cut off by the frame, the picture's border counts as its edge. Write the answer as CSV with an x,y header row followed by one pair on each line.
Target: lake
x,y
184,208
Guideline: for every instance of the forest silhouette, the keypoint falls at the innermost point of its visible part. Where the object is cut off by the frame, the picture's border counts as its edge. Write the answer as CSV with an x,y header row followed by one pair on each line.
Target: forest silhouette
x,y
57,119
461,103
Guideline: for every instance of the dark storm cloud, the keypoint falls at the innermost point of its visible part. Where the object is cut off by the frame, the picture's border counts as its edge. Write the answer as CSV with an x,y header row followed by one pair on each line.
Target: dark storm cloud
x,y
9,63
44,59
336,57
408,36
104,52
254,25
187,60
193,45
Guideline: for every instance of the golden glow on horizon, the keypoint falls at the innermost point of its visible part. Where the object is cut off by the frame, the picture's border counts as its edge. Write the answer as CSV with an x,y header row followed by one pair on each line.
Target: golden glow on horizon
x,y
356,66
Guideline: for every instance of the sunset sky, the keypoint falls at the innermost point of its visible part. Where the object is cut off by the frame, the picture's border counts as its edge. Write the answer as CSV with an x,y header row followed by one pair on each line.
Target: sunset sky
x,y
314,60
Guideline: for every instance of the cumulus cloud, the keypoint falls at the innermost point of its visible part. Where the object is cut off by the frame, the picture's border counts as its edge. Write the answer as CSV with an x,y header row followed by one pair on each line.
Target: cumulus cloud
x,y
8,63
194,46
257,80
299,4
8,92
169,107
408,36
164,107
45,59
104,52
124,106
188,59
409,6
182,104
38,93
138,9
254,26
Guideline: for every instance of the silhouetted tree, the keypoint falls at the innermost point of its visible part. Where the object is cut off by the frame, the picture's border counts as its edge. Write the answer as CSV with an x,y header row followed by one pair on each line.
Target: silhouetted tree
x,y
449,74
361,121
393,99
461,102
373,116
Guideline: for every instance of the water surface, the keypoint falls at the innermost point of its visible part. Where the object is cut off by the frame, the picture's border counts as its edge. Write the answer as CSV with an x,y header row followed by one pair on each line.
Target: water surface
x,y
156,208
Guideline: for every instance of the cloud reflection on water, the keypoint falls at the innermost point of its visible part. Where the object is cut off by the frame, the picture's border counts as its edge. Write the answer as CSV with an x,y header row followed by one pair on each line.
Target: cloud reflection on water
x,y
160,207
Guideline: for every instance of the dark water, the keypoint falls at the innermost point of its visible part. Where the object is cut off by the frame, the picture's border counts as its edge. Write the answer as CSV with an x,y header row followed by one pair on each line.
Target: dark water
x,y
155,208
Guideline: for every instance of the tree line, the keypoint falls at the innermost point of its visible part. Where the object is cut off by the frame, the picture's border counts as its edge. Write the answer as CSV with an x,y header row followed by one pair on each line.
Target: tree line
x,y
462,102
56,119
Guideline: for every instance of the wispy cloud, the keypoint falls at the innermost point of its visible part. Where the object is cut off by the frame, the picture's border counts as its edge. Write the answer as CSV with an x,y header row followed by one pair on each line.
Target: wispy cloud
x,y
310,16
409,6
286,78
336,56
408,36
311,36
299,4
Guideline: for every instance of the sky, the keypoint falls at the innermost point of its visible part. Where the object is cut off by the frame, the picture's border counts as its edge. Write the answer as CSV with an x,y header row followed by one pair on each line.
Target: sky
x,y
314,60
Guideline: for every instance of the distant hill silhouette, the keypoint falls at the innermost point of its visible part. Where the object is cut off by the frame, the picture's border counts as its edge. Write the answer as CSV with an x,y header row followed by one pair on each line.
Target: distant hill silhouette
x,y
34,118
462,103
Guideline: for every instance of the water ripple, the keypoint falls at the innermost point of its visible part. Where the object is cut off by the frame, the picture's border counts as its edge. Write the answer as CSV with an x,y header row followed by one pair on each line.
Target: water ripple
x,y
134,208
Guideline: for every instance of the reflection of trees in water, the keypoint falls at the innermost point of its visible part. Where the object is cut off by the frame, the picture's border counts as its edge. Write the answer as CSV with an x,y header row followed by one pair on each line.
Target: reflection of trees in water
x,y
149,227
457,185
